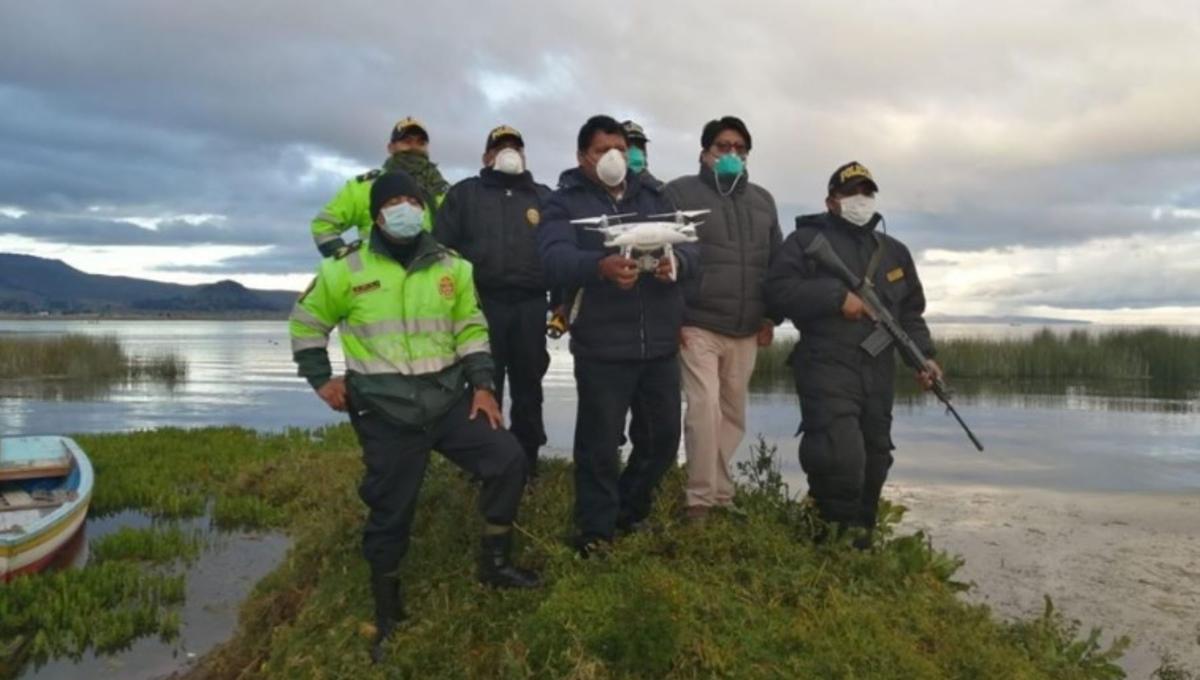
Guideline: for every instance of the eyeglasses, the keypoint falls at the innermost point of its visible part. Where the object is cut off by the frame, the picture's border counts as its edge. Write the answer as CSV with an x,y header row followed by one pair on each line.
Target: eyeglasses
x,y
726,147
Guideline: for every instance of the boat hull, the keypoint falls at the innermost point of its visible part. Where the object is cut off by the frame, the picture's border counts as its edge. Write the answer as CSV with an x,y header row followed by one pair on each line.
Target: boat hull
x,y
37,545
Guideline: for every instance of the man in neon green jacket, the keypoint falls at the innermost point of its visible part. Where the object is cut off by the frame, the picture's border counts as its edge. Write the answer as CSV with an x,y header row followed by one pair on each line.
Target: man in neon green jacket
x,y
419,377
408,151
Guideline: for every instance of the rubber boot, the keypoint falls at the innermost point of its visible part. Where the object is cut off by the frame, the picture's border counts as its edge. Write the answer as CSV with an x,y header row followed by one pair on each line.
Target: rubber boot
x,y
389,610
496,568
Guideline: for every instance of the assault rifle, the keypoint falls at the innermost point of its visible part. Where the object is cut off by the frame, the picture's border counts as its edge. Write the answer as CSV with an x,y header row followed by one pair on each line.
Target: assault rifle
x,y
887,329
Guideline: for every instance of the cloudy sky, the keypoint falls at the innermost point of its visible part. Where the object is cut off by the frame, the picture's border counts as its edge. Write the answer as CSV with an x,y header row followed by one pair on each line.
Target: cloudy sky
x,y
1039,158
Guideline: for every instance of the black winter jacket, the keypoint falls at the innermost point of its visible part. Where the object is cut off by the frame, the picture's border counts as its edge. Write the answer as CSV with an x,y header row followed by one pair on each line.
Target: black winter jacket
x,y
738,239
492,220
801,290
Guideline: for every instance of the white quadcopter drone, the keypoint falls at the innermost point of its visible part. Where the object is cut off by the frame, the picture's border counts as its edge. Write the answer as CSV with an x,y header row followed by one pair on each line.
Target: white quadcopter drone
x,y
647,242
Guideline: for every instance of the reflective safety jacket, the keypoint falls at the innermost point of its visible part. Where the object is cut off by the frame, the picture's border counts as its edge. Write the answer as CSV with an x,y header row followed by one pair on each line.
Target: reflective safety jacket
x,y
413,338
350,208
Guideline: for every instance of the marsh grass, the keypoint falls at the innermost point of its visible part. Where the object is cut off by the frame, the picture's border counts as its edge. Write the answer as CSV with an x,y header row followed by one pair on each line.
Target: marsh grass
x,y
82,358
1142,360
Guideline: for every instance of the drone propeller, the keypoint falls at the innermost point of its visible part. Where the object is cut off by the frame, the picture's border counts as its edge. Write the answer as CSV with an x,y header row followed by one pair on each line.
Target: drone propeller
x,y
602,219
680,215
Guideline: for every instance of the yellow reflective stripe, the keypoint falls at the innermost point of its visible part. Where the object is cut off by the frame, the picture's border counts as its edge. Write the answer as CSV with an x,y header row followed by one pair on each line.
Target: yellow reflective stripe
x,y
299,344
379,366
476,320
473,346
354,261
305,318
323,238
405,326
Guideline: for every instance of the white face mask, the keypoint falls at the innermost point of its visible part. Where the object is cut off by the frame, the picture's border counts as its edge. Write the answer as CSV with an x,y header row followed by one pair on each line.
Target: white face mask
x,y
858,209
611,168
509,162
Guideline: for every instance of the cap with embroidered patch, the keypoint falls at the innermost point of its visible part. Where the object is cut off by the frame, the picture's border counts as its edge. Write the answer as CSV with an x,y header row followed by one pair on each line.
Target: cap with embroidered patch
x,y
407,126
501,133
849,176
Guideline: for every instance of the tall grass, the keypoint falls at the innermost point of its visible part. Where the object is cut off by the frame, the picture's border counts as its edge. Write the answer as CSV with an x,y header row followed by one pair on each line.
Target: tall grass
x,y
82,357
1158,357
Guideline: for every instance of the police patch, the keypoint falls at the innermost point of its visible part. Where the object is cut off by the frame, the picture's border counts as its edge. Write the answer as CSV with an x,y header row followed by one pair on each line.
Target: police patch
x,y
446,287
895,275
365,287
533,217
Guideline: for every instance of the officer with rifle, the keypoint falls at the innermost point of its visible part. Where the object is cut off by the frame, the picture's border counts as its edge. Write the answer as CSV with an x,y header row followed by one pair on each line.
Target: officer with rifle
x,y
854,294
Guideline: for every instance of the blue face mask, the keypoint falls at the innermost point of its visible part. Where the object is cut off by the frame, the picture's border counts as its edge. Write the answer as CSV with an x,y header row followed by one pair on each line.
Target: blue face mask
x,y
729,165
403,221
637,160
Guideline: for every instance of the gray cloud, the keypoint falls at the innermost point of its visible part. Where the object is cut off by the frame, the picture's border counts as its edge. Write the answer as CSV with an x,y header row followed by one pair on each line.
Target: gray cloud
x,y
989,127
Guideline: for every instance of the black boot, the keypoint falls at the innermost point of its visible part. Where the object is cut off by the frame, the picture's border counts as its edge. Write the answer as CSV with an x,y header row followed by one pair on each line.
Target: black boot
x,y
496,568
389,610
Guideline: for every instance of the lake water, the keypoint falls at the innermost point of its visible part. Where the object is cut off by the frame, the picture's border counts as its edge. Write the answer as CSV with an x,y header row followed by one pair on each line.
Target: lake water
x,y
241,373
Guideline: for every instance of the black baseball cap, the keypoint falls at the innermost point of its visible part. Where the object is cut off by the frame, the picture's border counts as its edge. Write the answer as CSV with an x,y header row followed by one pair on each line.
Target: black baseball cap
x,y
849,176
501,133
407,126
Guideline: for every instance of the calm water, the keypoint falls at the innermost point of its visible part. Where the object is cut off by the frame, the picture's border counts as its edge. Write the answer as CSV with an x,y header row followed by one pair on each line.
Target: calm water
x,y
241,373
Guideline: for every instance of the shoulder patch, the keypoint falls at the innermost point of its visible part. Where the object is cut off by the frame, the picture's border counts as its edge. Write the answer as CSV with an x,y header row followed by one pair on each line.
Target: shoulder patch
x,y
895,275
369,176
446,287
345,250
366,287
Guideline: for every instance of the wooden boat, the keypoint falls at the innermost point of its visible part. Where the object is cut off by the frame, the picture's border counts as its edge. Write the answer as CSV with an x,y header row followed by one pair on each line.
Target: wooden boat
x,y
45,487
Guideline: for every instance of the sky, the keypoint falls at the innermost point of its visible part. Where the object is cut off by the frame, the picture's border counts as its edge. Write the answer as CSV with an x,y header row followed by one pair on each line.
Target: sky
x,y
1038,158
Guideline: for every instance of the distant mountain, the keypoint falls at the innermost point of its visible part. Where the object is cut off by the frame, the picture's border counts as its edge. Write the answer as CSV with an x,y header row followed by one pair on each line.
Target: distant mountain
x,y
1007,319
31,284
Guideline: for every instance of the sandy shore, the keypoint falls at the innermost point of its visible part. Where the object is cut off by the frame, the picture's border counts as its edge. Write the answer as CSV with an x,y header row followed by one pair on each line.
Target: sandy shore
x,y
1129,563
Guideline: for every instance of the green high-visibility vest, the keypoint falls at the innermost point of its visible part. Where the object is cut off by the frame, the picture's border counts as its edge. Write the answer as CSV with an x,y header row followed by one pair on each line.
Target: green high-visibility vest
x,y
412,337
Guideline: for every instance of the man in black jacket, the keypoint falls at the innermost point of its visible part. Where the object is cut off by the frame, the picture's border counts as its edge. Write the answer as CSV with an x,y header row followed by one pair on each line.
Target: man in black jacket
x,y
624,333
845,392
491,220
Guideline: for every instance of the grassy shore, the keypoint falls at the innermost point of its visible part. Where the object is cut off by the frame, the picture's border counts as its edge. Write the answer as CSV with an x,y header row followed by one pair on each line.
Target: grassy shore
x,y
1156,357
83,358
744,598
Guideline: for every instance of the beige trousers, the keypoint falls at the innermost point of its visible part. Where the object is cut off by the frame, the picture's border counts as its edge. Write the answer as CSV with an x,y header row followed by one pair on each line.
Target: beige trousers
x,y
716,377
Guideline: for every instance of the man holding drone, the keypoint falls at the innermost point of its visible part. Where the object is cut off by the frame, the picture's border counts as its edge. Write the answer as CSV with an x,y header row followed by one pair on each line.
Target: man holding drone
x,y
625,326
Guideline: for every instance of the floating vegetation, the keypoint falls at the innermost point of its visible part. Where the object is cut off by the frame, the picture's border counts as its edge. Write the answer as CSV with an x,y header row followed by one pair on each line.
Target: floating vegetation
x,y
153,545
103,608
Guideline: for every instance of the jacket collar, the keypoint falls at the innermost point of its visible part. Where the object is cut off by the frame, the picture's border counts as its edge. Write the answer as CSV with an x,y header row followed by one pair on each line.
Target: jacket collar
x,y
492,178
870,226
428,249
573,178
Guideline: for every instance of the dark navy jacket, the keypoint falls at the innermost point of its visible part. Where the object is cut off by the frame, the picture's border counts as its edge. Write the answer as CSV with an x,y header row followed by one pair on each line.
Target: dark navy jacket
x,y
490,219
610,324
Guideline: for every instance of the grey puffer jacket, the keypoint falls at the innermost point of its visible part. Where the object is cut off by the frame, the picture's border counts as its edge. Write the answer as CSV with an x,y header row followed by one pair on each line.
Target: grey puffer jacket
x,y
738,240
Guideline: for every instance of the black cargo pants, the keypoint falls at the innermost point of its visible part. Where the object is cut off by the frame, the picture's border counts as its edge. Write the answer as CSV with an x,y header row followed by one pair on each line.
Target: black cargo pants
x,y
517,333
846,442
395,460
